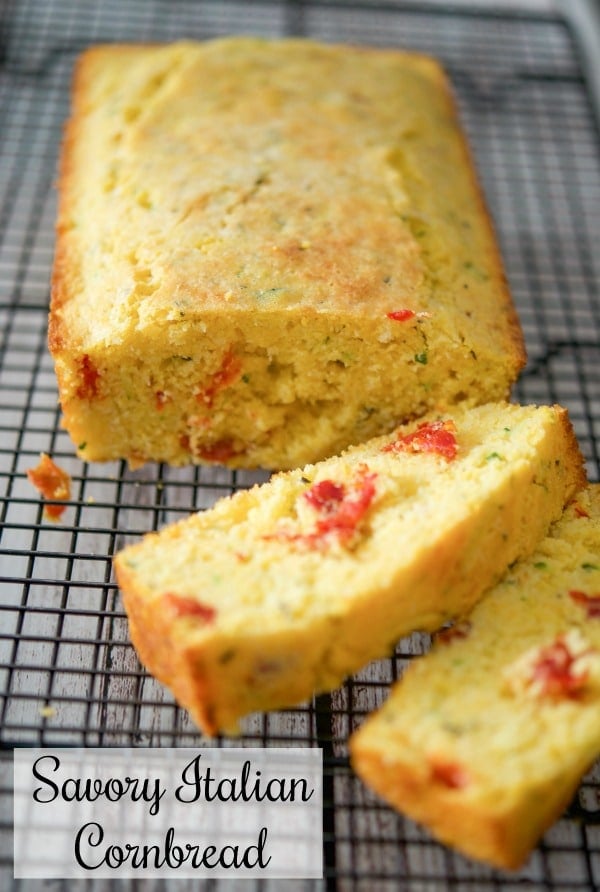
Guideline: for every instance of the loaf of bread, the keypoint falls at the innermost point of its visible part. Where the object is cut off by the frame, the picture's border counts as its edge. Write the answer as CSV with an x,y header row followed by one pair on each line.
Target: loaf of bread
x,y
285,589
266,251
486,738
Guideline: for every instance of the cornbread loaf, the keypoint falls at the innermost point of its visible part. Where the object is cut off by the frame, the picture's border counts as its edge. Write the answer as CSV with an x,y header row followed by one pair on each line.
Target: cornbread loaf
x,y
285,589
266,251
486,738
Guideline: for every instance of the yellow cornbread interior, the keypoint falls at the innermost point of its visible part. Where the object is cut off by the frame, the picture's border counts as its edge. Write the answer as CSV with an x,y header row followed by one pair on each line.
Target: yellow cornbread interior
x,y
273,202
293,616
469,704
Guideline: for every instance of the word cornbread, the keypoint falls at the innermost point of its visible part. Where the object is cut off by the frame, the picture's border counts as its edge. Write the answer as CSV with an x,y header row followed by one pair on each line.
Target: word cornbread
x,y
267,251
283,590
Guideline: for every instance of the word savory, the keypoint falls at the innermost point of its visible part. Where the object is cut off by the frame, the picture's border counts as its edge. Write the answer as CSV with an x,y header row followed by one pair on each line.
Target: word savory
x,y
194,787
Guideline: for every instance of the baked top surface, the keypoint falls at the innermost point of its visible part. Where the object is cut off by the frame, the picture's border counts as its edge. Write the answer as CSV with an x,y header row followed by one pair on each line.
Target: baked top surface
x,y
245,175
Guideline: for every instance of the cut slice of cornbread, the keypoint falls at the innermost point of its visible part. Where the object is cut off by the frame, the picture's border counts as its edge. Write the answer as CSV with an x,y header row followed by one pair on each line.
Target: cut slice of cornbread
x,y
486,738
284,589
266,251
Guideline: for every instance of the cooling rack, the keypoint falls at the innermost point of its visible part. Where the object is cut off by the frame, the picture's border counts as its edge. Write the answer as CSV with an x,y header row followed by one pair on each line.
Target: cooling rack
x,y
68,675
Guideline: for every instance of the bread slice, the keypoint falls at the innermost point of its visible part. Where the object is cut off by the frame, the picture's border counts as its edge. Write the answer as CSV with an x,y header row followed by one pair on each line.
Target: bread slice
x,y
268,250
285,589
486,738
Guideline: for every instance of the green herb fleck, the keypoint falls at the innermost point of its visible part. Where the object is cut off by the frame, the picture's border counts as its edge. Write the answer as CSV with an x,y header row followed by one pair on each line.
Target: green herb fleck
x,y
540,565
495,455
587,566
246,378
82,445
476,271
227,656
421,357
263,293
367,411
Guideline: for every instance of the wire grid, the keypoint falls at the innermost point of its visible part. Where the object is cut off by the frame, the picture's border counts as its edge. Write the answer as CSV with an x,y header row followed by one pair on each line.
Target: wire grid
x,y
68,674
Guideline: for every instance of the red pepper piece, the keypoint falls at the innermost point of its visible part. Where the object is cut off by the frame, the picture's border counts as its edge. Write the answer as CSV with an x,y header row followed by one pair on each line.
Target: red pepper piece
x,y
183,605
161,399
343,510
449,774
454,632
89,377
591,603
325,496
227,373
580,510
555,671
52,482
438,437
401,315
404,315
219,452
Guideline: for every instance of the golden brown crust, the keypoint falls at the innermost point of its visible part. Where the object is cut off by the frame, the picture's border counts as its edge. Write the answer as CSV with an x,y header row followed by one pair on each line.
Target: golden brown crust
x,y
161,649
515,339
290,228
504,840
65,269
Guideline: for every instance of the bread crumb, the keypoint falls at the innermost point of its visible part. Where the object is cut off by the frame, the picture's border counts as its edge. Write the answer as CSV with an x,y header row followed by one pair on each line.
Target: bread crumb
x,y
52,483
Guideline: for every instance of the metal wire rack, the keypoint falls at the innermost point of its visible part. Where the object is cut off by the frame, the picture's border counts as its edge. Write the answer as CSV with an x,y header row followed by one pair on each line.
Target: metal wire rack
x,y
68,675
